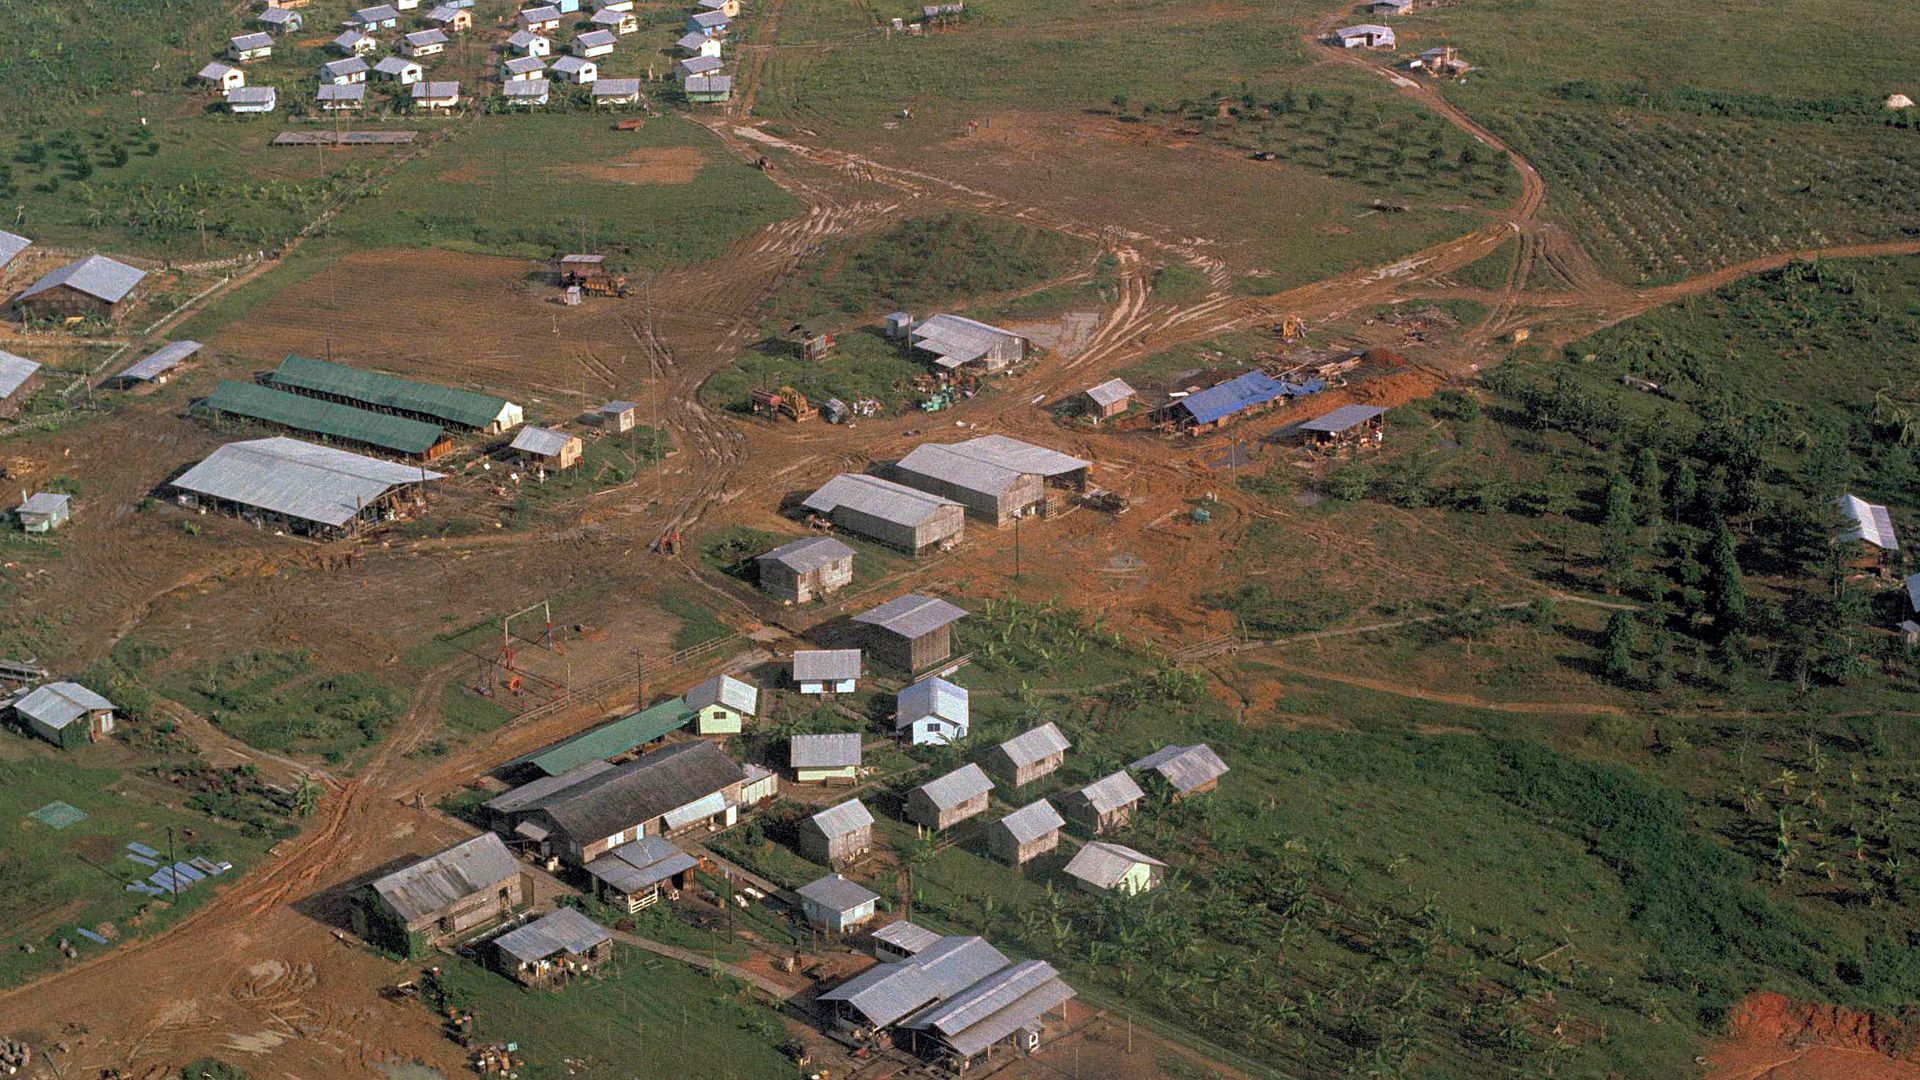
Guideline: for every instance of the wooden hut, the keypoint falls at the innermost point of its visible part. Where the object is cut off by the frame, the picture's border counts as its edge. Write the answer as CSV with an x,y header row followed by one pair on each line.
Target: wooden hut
x,y
837,835
953,798
1026,834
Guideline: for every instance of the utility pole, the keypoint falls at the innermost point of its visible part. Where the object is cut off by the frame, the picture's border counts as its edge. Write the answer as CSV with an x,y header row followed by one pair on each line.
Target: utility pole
x,y
1016,546
173,875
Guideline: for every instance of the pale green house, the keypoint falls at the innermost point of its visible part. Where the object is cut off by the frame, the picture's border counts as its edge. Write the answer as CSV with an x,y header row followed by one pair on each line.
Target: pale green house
x,y
722,705
1103,866
819,759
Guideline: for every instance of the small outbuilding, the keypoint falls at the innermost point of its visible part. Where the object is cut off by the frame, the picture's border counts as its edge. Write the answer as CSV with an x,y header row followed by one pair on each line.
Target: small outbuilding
x,y
1187,770
1364,36
347,71
1103,866
553,949
527,92
1348,425
1026,834
280,20
828,758
836,904
430,42
43,512
161,365
522,68
621,23
1105,804
837,835
399,69
1029,756
806,570
827,671
1107,400
450,18
1866,535
953,798
337,98
595,43
65,714
932,712
540,20
354,42
441,897
547,448
252,100
246,48
222,77
722,705
575,70
618,417
902,940
528,43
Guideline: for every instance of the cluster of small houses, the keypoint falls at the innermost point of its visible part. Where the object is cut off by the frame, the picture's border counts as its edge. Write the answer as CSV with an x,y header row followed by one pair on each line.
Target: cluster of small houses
x,y
528,67
1443,61
613,808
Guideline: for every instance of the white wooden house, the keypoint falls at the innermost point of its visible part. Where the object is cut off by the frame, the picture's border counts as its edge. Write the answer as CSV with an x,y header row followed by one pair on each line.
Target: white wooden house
x,y
575,70
344,72
246,48
223,77
399,69
424,43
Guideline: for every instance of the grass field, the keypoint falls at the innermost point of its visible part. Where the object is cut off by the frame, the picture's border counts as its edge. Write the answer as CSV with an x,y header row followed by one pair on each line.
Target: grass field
x,y
279,701
52,881
646,1016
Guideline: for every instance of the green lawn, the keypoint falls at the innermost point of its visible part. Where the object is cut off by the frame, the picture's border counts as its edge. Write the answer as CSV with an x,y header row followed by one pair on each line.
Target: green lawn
x,y
53,880
646,1017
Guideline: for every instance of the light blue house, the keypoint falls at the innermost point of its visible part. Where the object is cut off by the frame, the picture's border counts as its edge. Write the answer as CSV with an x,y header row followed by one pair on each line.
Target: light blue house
x,y
931,712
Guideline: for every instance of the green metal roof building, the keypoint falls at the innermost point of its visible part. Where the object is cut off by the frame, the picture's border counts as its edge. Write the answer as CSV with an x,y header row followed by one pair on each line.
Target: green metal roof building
x,y
344,423
610,739
388,393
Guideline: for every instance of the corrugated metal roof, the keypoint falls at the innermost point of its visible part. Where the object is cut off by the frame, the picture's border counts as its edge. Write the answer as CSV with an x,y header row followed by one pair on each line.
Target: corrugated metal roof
x,y
616,88
942,463
521,65
959,339
439,91
1343,418
908,937
348,39
376,13
527,88
527,794
1105,864
708,20
610,739
277,16
692,41
14,372
1913,593
337,92
935,697
12,244
886,992
352,65
1035,744
610,18
253,95
1111,392
843,818
330,418
1032,821
641,864
1363,30
544,13
60,703
1015,454
298,479
836,893
994,1007
593,39
572,65
826,665
912,616
259,39
395,66
700,65
1112,792
564,930
524,39
469,867
540,441
705,806
215,71
966,782
710,84
161,360
96,275
463,407
427,37
1869,522
44,502
836,750
878,498
639,791
1184,767
741,697
806,556
1225,399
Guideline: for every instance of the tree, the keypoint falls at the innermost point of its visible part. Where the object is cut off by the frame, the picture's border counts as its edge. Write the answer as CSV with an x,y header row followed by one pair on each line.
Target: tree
x,y
1649,485
1683,488
1726,594
1623,633
1617,534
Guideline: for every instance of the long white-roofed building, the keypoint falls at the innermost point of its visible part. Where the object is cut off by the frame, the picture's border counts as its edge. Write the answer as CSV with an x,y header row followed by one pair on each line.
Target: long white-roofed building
x,y
303,487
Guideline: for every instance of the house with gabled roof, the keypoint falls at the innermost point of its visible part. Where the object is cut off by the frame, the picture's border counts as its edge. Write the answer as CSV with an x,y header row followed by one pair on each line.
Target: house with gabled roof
x,y
708,22
375,18
43,511
399,69
95,285
911,632
540,20
673,790
441,897
547,448
1028,756
953,342
696,65
528,43
805,570
354,42
1186,770
246,48
621,23
825,757
1104,866
341,97
616,91
1364,36
1026,834
932,712
1107,400
520,68
837,835
574,70
280,20
594,43
222,77
547,952
436,96
451,19
638,873
700,44
1105,804
344,72
19,377
11,245
826,671
947,801
431,42
65,714
252,99
729,8
892,513
722,704
902,940
836,904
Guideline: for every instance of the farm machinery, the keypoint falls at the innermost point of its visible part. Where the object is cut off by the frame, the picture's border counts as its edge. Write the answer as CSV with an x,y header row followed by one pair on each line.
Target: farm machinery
x,y
589,274
785,401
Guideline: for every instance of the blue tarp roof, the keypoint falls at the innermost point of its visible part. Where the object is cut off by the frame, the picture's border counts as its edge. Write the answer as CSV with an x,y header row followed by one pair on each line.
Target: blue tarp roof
x,y
1243,392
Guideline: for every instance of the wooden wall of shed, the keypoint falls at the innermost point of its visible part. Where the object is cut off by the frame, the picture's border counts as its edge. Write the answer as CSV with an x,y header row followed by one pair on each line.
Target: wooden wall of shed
x,y
65,302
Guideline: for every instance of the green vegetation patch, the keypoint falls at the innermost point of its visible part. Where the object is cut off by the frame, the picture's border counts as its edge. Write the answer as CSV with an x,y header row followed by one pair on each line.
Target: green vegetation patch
x,y
863,365
278,701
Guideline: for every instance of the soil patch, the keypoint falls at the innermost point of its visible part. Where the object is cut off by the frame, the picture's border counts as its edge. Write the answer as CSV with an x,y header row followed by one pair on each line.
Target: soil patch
x,y
650,165
1772,1037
